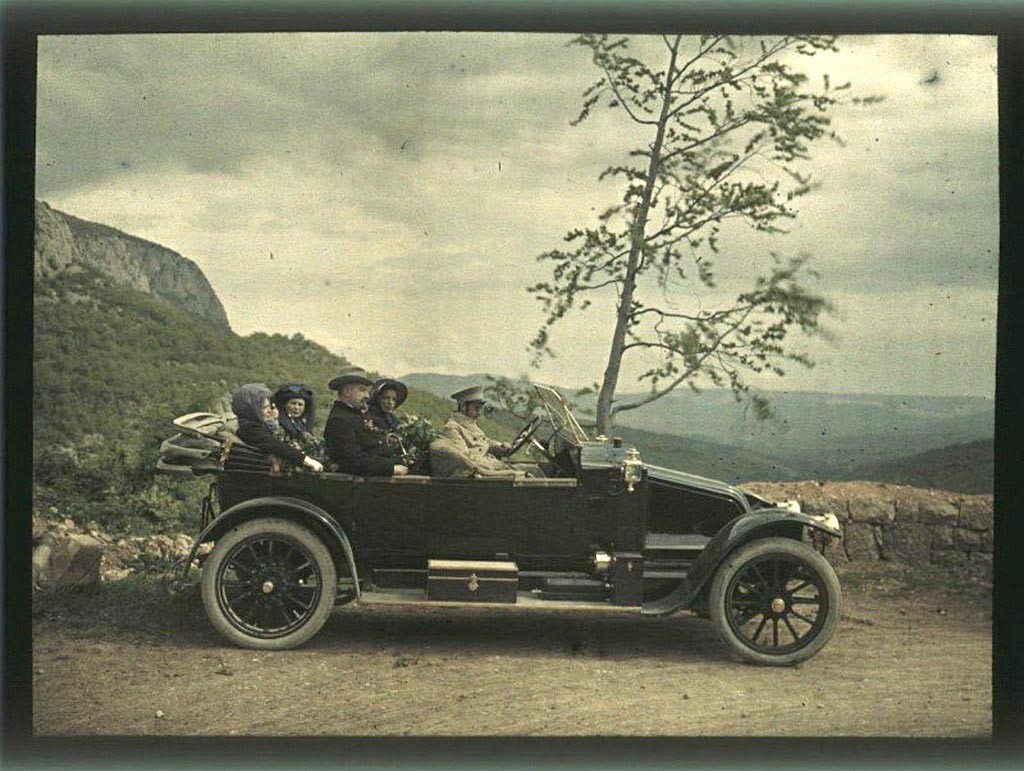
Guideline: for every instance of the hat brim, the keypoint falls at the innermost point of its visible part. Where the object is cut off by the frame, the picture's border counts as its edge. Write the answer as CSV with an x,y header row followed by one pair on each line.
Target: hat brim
x,y
467,395
397,385
292,391
340,382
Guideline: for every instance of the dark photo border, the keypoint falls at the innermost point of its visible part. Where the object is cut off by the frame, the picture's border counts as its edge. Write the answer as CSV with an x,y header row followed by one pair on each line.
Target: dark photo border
x,y
24,21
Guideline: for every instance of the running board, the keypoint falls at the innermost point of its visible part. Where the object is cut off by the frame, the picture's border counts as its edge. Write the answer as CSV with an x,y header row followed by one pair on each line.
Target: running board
x,y
525,600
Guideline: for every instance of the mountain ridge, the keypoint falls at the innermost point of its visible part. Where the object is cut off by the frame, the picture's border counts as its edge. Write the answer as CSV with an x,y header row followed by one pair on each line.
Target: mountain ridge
x,y
64,242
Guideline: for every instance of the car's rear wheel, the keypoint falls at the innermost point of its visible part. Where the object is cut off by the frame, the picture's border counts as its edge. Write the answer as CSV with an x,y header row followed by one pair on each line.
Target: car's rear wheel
x,y
269,584
775,601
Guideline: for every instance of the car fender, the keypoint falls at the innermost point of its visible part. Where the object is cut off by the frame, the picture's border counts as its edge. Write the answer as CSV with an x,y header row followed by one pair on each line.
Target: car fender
x,y
284,507
763,523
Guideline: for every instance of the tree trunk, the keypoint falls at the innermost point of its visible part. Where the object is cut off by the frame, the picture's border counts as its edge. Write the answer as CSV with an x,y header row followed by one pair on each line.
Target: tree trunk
x,y
605,414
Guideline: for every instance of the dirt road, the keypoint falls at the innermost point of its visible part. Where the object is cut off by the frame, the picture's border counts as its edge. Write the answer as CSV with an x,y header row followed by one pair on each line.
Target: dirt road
x,y
905,662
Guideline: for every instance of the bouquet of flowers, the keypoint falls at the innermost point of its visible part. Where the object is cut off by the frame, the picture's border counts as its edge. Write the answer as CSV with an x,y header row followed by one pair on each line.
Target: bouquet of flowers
x,y
416,434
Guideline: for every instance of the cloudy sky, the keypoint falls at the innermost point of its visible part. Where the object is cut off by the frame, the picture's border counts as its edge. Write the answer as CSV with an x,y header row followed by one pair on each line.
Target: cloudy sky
x,y
386,194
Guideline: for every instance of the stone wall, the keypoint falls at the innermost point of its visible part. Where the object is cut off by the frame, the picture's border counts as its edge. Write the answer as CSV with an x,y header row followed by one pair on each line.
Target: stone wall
x,y
895,523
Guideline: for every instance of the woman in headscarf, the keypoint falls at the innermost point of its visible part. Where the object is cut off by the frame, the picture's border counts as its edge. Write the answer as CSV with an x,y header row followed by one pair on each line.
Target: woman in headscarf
x,y
258,424
297,416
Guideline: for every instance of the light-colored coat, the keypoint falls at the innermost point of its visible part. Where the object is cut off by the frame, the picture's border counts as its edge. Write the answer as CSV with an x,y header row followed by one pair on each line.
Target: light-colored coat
x,y
463,449
465,432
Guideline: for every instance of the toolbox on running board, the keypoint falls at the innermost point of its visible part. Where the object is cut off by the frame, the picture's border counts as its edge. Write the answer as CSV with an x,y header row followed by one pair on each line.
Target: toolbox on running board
x,y
472,581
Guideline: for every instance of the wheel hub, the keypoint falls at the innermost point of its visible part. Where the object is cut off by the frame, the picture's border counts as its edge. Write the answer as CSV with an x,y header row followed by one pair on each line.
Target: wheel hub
x,y
267,586
778,605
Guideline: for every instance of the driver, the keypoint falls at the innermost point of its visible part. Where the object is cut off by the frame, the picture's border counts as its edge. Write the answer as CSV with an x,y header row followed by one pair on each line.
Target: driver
x,y
462,427
463,448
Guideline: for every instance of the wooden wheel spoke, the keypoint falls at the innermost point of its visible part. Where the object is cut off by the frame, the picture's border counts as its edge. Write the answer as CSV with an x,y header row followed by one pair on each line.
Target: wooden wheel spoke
x,y
801,617
789,626
760,626
760,576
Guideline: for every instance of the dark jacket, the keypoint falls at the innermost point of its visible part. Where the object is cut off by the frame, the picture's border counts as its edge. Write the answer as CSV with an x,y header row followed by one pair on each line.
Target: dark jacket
x,y
298,435
260,437
354,445
385,422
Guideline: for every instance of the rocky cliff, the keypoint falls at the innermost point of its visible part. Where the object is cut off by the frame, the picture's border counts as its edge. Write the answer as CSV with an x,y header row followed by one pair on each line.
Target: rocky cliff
x,y
64,242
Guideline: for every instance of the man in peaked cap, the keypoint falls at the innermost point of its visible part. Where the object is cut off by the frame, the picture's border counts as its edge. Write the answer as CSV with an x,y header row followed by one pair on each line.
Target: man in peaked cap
x,y
463,448
349,437
462,426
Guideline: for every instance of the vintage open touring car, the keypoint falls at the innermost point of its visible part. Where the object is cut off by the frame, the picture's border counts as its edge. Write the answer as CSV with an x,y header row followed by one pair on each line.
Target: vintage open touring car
x,y
603,531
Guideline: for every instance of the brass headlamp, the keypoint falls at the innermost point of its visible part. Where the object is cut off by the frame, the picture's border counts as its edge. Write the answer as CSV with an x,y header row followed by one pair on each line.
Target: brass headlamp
x,y
632,469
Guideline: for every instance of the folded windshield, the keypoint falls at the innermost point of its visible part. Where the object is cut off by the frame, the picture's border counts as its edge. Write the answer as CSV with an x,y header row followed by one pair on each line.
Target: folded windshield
x,y
559,413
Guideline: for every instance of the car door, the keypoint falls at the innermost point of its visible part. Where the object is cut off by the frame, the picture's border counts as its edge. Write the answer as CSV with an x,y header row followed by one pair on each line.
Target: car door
x,y
402,521
542,524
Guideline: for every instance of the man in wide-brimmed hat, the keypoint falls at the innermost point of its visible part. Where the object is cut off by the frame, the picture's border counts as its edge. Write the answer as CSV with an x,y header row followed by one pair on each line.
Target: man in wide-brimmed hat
x,y
350,439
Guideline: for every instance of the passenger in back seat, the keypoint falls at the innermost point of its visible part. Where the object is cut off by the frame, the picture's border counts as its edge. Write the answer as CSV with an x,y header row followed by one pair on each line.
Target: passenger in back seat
x,y
257,421
297,416
349,435
386,397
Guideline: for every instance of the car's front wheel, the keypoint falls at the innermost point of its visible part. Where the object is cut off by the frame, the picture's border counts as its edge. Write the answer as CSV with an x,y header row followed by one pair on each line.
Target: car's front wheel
x,y
269,584
775,601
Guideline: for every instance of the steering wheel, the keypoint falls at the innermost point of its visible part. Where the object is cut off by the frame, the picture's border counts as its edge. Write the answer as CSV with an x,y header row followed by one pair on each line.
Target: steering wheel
x,y
544,447
525,434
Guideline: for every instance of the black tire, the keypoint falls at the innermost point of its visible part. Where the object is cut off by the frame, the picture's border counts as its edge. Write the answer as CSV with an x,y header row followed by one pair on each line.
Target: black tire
x,y
269,584
775,601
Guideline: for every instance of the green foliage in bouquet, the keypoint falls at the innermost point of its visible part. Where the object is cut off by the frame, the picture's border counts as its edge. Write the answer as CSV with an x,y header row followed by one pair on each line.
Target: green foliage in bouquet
x,y
416,434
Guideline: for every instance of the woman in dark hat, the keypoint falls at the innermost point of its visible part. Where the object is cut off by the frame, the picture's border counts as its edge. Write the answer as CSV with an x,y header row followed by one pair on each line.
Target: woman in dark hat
x,y
387,396
297,415
257,426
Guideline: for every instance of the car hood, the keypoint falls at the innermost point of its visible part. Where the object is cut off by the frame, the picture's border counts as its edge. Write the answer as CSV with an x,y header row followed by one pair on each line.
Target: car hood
x,y
682,479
